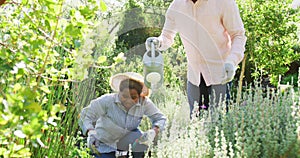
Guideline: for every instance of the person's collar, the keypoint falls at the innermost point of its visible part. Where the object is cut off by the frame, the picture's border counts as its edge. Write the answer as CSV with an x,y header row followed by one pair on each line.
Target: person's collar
x,y
139,103
117,98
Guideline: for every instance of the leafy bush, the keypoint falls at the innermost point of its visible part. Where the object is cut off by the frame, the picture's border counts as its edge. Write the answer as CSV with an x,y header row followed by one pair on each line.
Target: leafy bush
x,y
271,28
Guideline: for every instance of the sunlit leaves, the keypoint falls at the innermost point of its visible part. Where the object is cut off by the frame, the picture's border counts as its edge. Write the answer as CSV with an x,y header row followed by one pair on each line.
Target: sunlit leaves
x,y
17,87
32,127
45,89
57,108
101,59
3,120
34,107
73,30
120,58
44,48
103,6
272,33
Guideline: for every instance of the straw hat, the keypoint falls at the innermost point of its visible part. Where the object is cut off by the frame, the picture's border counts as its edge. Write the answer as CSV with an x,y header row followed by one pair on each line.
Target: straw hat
x,y
115,81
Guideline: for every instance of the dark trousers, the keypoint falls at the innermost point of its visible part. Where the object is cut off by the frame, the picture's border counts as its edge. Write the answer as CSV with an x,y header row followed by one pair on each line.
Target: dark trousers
x,y
112,155
123,145
206,97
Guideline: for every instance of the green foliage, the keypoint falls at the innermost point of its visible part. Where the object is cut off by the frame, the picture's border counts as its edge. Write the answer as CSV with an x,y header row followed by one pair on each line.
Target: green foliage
x,y
47,48
291,79
157,3
175,68
271,28
139,21
132,25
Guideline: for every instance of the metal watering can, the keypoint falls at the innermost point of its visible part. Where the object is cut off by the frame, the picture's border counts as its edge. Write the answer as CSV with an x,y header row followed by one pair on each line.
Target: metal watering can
x,y
153,68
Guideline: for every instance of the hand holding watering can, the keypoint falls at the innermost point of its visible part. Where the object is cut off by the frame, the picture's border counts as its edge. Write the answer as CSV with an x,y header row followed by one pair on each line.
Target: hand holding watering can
x,y
151,40
153,64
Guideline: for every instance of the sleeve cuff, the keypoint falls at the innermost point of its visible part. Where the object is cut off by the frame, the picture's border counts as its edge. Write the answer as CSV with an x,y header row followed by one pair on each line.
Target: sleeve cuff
x,y
85,130
160,125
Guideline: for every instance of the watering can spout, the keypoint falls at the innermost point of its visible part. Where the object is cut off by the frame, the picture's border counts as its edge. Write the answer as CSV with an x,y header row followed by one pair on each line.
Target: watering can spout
x,y
153,68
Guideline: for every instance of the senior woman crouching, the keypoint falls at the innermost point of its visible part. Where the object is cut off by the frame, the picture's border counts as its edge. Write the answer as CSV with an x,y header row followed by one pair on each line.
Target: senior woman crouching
x,y
111,121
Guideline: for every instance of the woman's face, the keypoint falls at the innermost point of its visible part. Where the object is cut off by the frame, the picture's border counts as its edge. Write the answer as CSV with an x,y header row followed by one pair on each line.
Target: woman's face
x,y
129,97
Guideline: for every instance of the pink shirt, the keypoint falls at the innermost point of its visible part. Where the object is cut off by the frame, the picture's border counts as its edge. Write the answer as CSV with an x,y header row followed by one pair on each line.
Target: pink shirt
x,y
212,33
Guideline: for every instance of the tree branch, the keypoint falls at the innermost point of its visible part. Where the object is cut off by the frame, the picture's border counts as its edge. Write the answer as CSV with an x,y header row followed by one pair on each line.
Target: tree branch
x,y
6,46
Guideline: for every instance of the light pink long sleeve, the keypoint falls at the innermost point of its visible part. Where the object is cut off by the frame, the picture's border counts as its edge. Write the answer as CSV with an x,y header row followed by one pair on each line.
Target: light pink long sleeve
x,y
212,33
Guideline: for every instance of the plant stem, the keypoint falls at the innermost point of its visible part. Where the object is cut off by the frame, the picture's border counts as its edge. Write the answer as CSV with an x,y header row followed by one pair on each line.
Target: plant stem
x,y
241,79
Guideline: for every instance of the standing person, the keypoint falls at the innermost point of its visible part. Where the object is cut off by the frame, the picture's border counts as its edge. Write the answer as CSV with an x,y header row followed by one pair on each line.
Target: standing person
x,y
111,121
213,36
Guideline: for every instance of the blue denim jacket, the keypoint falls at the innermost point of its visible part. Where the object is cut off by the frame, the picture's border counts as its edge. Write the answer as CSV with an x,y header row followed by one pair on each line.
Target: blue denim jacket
x,y
111,121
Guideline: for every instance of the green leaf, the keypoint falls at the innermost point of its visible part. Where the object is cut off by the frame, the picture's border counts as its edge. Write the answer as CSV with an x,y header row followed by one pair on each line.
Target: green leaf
x,y
45,89
34,106
33,127
25,152
24,1
3,120
17,87
102,59
103,6
2,151
120,58
28,93
57,108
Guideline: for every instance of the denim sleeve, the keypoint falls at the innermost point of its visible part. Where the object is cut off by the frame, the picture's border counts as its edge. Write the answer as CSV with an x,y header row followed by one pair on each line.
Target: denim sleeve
x,y
90,114
155,115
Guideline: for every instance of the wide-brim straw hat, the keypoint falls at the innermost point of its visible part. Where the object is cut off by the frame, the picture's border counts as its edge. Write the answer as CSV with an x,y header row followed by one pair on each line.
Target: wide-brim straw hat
x,y
116,80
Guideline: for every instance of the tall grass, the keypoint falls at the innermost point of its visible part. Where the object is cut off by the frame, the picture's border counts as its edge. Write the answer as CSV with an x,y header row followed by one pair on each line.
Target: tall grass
x,y
63,137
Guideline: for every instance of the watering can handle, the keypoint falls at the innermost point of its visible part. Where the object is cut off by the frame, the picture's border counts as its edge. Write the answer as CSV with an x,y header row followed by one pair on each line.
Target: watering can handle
x,y
152,49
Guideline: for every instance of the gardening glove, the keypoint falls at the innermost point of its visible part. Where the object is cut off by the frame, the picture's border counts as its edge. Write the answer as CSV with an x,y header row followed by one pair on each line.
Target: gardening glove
x,y
228,72
150,40
147,137
91,139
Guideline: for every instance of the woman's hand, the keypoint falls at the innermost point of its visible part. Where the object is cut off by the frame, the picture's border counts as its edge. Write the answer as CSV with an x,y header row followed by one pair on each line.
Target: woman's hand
x,y
156,129
92,138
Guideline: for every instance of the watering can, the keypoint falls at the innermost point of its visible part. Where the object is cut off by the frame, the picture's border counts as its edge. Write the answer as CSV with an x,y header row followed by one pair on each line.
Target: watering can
x,y
153,68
